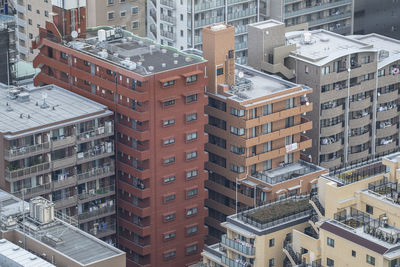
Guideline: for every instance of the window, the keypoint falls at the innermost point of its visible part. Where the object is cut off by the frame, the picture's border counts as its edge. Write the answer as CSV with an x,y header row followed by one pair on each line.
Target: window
x,y
169,198
109,72
370,260
169,141
46,13
381,72
192,193
191,249
267,146
169,217
122,13
111,2
135,10
191,98
325,70
237,112
237,150
191,155
271,262
169,103
191,174
330,262
330,242
63,55
306,70
169,179
237,169
191,230
191,211
135,24
191,79
215,103
289,121
168,122
267,109
37,11
191,136
272,242
221,161
86,63
30,21
369,209
217,122
29,7
366,59
191,117
237,131
169,160
169,83
169,255
30,36
267,128
169,236
267,165
289,103
110,15
353,253
220,71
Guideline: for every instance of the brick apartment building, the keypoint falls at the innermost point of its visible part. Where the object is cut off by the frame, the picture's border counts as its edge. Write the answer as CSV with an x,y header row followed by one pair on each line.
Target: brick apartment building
x,y
255,131
157,95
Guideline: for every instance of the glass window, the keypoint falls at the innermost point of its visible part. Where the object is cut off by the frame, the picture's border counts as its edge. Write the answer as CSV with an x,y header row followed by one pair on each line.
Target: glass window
x,y
370,260
330,242
191,79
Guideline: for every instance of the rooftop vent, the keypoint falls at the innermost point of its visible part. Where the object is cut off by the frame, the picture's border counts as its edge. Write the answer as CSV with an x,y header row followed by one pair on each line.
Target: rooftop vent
x,y
188,59
151,47
124,40
129,38
163,50
9,108
218,27
324,39
41,210
23,97
101,35
151,68
163,65
175,62
103,53
176,55
307,37
141,43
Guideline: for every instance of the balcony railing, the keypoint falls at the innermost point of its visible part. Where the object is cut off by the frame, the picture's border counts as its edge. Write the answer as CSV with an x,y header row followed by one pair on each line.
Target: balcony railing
x,y
234,263
30,192
169,3
95,152
69,181
103,230
239,245
33,170
96,193
102,130
65,202
21,151
96,212
316,8
96,172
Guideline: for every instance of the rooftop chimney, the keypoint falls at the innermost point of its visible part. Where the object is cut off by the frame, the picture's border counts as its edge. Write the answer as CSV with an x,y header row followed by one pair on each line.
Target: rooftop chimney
x,y
219,50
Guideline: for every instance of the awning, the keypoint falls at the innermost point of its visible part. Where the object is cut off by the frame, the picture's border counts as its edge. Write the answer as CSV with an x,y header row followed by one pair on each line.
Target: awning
x,y
192,73
169,79
248,183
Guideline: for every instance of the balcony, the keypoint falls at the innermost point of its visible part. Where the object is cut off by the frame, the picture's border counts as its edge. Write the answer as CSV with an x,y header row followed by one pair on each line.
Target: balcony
x,y
96,213
168,19
168,3
388,145
239,245
99,132
65,202
64,162
332,130
329,19
331,147
103,231
12,175
169,35
332,112
358,156
358,123
205,22
34,191
26,151
391,96
63,142
134,190
234,263
361,104
96,173
96,153
242,14
333,94
67,182
386,130
359,139
384,113
207,5
332,163
93,194
316,8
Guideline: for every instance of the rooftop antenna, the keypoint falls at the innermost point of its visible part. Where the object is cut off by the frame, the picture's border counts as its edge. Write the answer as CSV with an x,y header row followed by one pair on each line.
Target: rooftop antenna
x,y
44,97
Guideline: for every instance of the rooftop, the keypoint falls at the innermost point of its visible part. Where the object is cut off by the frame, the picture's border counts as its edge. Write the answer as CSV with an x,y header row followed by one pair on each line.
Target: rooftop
x,y
267,24
126,50
389,48
320,47
57,234
24,108
13,255
287,172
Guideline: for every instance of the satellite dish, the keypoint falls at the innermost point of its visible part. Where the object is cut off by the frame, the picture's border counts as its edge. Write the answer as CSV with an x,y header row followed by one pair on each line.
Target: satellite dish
x,y
74,34
241,74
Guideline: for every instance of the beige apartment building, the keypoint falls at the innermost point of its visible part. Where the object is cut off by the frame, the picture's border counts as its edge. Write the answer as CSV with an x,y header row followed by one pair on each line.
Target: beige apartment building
x,y
255,130
129,14
356,87
353,221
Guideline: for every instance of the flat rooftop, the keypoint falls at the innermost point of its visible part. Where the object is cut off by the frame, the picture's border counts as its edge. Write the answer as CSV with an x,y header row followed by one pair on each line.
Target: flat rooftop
x,y
139,55
389,48
266,24
324,46
251,84
17,115
13,255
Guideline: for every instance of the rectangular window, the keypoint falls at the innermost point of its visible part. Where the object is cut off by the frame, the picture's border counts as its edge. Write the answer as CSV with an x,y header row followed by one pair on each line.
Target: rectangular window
x,y
63,55
135,10
169,255
237,131
191,211
325,70
267,165
191,136
191,230
330,262
169,103
170,217
271,262
191,174
169,179
215,103
168,122
169,198
237,150
110,15
267,109
289,121
353,253
330,242
236,168
272,242
191,98
191,117
169,141
168,83
267,128
289,103
191,79
237,112
267,146
217,122
191,155
369,209
370,260
192,193
169,236
169,160
220,71
191,249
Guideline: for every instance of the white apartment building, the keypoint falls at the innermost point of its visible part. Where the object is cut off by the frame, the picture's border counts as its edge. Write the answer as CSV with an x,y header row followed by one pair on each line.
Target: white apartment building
x,y
179,22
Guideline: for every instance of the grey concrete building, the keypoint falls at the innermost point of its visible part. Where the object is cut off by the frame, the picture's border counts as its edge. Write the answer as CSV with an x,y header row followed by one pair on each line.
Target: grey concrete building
x,y
382,17
129,14
58,145
179,23
355,81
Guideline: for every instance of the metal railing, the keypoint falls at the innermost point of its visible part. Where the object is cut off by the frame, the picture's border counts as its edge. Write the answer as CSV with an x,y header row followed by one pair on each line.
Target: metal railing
x,y
103,230
244,247
20,151
96,172
32,191
13,174
96,212
95,193
234,263
96,132
93,153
